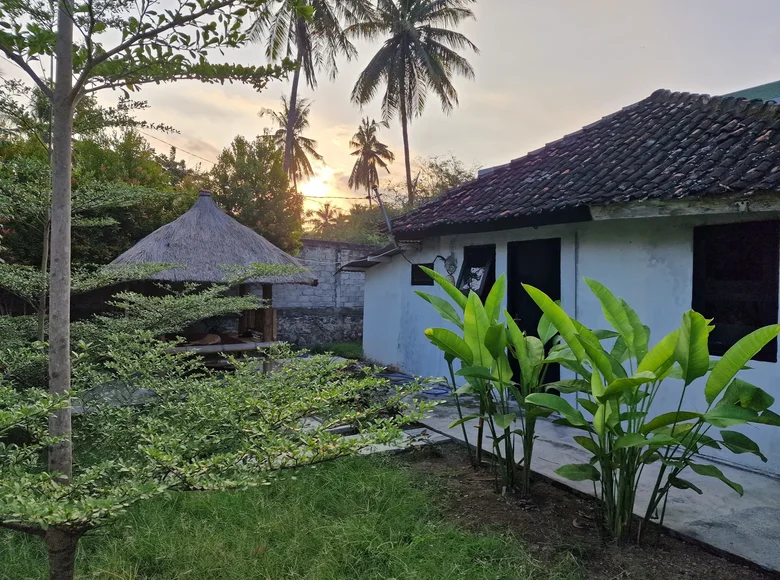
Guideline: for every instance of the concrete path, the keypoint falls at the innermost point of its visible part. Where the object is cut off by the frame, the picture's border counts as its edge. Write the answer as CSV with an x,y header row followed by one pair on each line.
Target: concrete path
x,y
747,526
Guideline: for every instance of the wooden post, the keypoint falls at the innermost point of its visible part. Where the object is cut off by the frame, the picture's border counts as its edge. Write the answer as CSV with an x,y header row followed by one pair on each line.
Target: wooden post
x,y
269,315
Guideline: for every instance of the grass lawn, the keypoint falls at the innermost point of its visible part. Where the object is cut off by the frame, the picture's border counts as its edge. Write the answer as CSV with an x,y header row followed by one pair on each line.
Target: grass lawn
x,y
356,519
346,349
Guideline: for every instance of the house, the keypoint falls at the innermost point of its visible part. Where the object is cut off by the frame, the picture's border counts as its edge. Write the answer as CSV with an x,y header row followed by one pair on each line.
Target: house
x,y
671,202
203,244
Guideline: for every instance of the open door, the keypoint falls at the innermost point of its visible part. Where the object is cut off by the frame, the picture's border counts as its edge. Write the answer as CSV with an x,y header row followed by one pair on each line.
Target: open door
x,y
538,263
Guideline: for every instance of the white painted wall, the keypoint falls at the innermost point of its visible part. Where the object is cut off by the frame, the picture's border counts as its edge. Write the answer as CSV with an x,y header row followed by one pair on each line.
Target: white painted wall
x,y
647,262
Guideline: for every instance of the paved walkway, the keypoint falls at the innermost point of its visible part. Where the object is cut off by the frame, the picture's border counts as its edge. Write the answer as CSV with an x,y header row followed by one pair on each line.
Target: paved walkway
x,y
747,526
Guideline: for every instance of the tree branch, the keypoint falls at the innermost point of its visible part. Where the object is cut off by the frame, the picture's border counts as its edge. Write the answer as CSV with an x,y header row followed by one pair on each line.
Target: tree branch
x,y
32,530
19,61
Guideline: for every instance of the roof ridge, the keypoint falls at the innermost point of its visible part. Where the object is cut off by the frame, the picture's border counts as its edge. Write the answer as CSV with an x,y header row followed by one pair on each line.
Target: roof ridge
x,y
741,105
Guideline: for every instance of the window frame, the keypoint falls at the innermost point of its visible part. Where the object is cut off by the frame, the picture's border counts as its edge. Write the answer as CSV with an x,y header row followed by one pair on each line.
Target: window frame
x,y
476,256
764,291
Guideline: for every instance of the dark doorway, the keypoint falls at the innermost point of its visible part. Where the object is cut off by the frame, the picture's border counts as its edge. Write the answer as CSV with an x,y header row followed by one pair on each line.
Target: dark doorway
x,y
538,263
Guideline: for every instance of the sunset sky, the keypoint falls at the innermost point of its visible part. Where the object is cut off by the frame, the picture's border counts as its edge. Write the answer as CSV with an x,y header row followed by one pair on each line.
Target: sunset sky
x,y
545,69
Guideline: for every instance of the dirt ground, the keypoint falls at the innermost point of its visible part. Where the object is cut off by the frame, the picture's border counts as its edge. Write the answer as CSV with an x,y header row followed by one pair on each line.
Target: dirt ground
x,y
557,520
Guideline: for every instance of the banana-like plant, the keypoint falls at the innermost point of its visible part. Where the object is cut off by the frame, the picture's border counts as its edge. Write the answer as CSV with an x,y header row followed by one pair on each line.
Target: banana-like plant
x,y
617,388
483,351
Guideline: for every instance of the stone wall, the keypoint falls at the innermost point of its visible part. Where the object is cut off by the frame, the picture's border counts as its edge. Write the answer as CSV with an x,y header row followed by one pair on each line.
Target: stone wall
x,y
330,312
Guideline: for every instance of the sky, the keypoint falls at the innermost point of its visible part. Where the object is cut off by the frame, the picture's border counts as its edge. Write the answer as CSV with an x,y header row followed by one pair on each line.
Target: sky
x,y
545,68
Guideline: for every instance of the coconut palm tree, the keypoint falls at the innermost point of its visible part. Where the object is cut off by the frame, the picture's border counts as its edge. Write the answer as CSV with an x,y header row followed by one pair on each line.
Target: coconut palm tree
x,y
300,148
312,33
324,218
418,54
370,153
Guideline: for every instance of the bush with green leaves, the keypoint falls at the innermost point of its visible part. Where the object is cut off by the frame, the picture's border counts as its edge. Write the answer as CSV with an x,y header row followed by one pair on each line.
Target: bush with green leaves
x,y
618,387
149,421
482,352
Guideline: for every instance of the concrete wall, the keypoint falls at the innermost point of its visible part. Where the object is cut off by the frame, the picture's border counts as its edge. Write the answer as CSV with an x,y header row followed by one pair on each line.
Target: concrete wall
x,y
332,311
647,262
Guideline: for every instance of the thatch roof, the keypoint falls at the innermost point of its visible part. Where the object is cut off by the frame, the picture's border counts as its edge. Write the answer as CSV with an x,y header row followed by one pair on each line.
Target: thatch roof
x,y
205,240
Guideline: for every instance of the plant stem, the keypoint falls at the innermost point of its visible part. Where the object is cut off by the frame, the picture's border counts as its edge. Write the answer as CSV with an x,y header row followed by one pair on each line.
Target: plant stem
x,y
460,411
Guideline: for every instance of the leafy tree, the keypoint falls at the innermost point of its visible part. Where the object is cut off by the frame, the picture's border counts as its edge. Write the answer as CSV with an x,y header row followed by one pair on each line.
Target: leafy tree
x,y
418,53
101,44
325,218
313,31
302,147
249,183
370,153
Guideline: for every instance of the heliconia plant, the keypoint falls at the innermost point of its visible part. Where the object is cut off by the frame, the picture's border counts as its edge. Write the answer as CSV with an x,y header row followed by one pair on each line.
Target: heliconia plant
x,y
617,388
482,351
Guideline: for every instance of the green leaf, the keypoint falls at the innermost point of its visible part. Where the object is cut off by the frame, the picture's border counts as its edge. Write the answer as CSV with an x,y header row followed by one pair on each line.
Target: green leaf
x,y
504,421
520,348
495,299
445,285
768,417
557,404
450,342
746,395
630,440
680,483
712,471
691,350
641,332
546,329
475,327
569,386
466,389
613,311
724,416
668,419
444,308
738,443
598,356
616,387
579,472
588,444
661,356
588,405
476,373
735,358
535,351
559,319
495,340
464,419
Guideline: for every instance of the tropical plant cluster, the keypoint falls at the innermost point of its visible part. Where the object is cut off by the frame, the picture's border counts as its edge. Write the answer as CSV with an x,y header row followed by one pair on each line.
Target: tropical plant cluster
x,y
619,381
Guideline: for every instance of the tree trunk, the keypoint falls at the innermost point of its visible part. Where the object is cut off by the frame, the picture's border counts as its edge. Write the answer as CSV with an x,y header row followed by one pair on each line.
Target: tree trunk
x,y
61,547
404,129
292,106
42,298
61,454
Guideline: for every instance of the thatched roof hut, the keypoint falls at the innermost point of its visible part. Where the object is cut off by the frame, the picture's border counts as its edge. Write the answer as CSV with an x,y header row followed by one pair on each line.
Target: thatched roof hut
x,y
204,241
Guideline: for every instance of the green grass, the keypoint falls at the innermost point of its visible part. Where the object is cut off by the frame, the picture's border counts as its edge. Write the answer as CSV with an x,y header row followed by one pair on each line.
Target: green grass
x,y
361,519
346,349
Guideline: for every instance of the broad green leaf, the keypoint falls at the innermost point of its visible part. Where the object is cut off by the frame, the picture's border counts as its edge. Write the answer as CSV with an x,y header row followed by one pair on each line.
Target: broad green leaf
x,y
579,472
735,358
738,443
466,389
569,386
495,299
620,351
691,351
520,347
613,310
768,417
744,394
444,308
630,440
724,416
668,419
588,444
448,287
600,419
661,356
495,340
557,404
477,373
680,483
602,334
566,423
504,421
598,356
535,412
475,327
448,341
660,440
535,351
641,332
559,319
465,419
546,329
596,385
590,406
616,387
712,471
503,370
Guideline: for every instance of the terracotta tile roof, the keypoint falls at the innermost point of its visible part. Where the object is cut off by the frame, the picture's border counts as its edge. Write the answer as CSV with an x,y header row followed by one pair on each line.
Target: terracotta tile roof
x,y
668,146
